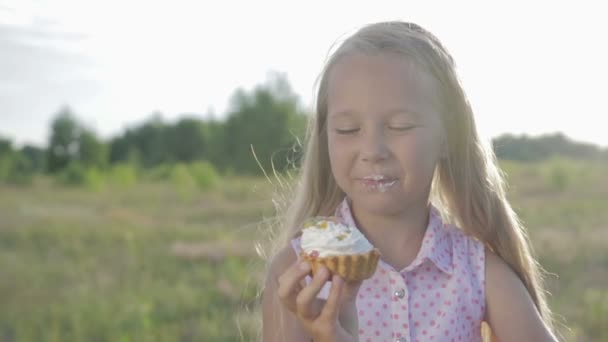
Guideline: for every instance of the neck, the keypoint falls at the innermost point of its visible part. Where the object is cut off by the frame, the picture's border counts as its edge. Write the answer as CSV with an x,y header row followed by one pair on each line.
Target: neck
x,y
398,236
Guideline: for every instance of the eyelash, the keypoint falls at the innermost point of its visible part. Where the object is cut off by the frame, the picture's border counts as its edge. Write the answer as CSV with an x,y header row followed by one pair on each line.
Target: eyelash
x,y
355,130
347,131
401,128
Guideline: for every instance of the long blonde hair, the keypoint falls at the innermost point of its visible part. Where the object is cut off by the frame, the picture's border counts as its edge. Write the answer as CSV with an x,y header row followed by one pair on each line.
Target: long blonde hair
x,y
467,185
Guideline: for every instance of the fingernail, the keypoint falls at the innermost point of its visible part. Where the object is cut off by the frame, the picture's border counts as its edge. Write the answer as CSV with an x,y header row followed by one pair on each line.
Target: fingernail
x,y
304,266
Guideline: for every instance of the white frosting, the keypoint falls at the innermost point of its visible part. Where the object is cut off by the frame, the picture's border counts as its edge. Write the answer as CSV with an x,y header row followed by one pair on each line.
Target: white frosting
x,y
330,238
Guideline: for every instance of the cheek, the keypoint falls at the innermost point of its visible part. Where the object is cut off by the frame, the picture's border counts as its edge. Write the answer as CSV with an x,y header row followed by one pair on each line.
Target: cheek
x,y
420,155
424,151
338,155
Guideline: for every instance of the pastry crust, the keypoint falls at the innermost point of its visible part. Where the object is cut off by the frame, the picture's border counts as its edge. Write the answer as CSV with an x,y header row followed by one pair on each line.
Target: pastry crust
x,y
351,267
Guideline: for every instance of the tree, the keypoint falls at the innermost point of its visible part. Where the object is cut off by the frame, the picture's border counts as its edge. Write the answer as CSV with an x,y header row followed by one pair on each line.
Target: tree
x,y
15,166
6,158
91,151
151,141
214,151
63,143
35,157
268,121
145,144
6,147
526,148
186,140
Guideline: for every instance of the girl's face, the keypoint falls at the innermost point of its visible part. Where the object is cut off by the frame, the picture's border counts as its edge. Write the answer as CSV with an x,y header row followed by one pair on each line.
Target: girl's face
x,y
384,132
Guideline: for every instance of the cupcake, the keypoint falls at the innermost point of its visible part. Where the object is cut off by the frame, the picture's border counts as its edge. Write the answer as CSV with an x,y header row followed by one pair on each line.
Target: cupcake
x,y
340,248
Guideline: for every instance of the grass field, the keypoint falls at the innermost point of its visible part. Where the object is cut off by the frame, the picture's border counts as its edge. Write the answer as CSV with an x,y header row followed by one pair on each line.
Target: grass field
x,y
150,263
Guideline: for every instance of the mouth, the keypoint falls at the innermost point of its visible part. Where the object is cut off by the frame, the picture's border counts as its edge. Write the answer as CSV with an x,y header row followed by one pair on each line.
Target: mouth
x,y
381,183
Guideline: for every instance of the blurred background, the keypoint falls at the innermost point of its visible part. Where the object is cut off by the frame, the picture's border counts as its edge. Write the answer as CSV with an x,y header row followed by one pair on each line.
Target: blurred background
x,y
131,200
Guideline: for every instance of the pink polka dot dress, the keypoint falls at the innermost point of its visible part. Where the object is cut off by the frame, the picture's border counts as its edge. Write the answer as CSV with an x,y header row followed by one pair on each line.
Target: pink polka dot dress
x,y
438,297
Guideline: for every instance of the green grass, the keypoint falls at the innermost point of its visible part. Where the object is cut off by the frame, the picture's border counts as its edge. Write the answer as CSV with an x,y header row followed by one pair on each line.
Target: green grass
x,y
567,218
142,264
152,262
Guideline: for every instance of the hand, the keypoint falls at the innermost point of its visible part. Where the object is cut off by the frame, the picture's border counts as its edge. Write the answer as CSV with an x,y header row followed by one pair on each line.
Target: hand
x,y
326,321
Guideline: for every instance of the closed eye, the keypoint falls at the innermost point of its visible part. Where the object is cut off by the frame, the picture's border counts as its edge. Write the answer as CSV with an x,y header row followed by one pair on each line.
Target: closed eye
x,y
347,131
401,128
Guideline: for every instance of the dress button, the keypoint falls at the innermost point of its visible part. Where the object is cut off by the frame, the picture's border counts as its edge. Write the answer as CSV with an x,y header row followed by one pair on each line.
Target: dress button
x,y
400,293
401,339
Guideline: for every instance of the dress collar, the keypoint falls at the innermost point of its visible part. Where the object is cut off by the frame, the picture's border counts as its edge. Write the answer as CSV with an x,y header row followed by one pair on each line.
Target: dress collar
x,y
436,244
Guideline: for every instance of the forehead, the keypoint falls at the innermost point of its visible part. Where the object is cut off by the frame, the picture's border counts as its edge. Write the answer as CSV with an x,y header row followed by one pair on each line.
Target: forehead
x,y
379,83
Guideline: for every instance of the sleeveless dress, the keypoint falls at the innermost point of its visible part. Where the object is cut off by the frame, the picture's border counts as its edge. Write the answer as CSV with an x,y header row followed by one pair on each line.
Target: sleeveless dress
x,y
440,296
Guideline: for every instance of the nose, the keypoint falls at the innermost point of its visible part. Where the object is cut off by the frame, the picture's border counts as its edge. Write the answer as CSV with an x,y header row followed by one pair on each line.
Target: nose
x,y
373,147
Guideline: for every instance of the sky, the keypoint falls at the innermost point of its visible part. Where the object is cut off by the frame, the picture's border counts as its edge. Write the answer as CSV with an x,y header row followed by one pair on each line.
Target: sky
x,y
530,67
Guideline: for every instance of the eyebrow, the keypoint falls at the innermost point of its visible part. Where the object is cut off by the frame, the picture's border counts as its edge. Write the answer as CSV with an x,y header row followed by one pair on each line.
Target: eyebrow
x,y
406,111
392,111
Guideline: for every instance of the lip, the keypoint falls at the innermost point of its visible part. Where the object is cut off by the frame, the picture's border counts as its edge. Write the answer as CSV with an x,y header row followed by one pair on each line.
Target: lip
x,y
378,178
378,182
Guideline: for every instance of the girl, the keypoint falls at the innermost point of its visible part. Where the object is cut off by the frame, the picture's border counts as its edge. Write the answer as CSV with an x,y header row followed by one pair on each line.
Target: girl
x,y
393,150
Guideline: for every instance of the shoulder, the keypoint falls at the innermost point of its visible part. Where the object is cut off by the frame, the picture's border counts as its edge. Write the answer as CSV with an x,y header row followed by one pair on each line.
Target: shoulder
x,y
497,268
501,280
465,245
510,312
458,236
500,277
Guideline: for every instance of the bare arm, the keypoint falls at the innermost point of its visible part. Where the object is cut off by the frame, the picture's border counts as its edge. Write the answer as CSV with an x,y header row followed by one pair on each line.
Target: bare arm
x,y
278,323
511,313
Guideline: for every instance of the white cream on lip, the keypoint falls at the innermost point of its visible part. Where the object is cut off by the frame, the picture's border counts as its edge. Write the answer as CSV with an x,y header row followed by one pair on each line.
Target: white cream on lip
x,y
377,177
382,185
331,238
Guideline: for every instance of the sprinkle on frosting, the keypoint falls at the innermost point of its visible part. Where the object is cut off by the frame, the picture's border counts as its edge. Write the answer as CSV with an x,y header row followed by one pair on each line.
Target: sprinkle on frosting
x,y
327,236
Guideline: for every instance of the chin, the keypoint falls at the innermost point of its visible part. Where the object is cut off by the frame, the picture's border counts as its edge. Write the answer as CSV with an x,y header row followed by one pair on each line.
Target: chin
x,y
379,204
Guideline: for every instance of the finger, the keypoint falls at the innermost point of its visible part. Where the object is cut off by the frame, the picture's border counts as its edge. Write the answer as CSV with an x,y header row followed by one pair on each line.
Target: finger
x,y
332,306
290,284
309,293
351,289
293,276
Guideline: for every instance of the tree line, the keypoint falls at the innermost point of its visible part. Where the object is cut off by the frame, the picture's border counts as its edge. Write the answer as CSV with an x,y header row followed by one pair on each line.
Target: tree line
x,y
261,130
528,149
